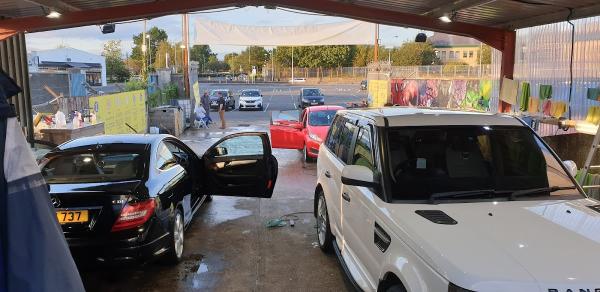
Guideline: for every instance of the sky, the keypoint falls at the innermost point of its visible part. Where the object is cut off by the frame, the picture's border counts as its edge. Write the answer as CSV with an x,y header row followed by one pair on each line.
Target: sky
x,y
90,39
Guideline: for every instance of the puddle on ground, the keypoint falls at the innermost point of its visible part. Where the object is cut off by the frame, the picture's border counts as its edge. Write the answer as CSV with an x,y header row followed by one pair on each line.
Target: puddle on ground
x,y
223,209
200,273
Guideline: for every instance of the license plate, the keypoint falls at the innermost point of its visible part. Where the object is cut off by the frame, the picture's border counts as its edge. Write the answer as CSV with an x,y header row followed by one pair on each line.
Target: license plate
x,y
314,102
66,217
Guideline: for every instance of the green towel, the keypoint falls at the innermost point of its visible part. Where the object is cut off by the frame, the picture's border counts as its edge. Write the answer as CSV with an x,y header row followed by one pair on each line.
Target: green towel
x,y
593,93
524,98
545,91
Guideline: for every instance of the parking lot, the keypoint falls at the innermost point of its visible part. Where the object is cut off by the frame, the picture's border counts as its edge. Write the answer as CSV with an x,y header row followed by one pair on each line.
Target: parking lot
x,y
228,247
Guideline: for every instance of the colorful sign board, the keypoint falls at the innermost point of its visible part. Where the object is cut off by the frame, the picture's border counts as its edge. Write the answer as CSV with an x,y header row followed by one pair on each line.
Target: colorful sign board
x,y
121,109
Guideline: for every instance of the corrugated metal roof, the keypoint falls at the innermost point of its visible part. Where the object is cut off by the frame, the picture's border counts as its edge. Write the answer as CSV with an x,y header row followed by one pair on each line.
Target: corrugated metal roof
x,y
495,13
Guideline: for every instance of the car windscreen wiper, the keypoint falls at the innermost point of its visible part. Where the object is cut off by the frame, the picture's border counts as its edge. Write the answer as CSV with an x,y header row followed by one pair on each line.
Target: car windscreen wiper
x,y
464,194
521,193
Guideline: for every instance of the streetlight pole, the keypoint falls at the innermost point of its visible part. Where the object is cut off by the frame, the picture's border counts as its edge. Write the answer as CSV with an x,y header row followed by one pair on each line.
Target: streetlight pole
x,y
149,51
292,65
273,65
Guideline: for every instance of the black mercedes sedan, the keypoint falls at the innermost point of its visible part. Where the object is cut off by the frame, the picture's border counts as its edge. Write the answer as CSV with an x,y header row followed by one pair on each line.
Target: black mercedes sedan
x,y
130,197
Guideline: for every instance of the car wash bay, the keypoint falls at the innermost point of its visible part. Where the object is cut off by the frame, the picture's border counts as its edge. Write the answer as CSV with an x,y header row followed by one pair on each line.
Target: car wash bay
x,y
228,246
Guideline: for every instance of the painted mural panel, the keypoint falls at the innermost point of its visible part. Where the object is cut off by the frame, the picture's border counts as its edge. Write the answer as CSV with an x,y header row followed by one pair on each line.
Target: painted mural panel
x,y
460,94
118,110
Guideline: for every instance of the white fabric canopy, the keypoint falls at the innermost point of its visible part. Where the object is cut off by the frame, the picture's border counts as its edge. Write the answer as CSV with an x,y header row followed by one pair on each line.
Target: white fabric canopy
x,y
209,32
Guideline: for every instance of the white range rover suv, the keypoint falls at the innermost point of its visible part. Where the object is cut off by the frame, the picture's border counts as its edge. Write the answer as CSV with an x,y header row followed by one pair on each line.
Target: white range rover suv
x,y
435,200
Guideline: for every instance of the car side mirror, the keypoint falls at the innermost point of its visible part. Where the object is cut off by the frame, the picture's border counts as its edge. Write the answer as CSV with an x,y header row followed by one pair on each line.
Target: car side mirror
x,y
182,159
358,175
571,166
218,151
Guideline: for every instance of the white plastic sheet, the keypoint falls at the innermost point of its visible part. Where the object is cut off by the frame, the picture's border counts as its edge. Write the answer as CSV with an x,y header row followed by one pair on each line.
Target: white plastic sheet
x,y
209,32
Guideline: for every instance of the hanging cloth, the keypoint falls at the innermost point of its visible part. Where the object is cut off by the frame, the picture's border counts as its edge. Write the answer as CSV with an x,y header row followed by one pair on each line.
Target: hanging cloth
x,y
558,109
545,91
525,95
547,108
509,90
534,105
593,94
590,114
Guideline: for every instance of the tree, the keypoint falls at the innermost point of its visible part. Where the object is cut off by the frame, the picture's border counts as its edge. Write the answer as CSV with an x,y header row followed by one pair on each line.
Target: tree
x,y
485,55
215,65
115,67
201,54
415,54
232,61
156,36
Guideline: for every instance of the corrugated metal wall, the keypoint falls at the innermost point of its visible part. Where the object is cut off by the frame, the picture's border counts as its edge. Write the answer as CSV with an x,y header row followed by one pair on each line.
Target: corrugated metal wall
x,y
13,60
542,57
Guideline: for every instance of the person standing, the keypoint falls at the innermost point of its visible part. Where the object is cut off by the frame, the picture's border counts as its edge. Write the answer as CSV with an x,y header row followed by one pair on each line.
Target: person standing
x,y
221,104
205,100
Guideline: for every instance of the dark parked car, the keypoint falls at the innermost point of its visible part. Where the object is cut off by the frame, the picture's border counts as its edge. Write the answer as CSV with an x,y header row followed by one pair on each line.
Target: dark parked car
x,y
310,96
130,197
227,94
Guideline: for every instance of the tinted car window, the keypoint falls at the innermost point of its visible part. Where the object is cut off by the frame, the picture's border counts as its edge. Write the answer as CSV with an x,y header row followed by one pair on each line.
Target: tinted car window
x,y
363,154
427,160
321,118
311,92
333,136
345,140
93,167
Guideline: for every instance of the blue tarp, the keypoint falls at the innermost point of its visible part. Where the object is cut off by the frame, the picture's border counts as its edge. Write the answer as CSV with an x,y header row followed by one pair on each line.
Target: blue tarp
x,y
34,255
77,87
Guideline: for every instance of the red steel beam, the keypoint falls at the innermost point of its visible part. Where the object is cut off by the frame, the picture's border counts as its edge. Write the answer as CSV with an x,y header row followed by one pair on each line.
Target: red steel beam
x,y
489,35
111,14
508,63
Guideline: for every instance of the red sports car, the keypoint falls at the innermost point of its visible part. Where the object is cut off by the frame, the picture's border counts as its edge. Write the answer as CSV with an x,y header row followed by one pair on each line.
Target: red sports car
x,y
306,134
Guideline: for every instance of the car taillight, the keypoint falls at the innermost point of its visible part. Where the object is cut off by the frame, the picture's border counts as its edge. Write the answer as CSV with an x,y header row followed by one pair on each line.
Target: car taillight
x,y
134,214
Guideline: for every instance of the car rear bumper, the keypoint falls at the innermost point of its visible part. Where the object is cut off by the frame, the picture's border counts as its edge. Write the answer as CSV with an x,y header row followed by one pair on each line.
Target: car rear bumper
x,y
124,246
312,103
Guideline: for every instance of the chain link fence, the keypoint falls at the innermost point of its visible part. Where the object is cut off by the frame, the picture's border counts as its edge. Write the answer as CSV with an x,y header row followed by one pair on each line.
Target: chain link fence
x,y
418,72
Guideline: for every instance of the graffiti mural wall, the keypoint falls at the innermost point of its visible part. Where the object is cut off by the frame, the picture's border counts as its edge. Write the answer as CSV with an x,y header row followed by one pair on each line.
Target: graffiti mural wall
x,y
463,94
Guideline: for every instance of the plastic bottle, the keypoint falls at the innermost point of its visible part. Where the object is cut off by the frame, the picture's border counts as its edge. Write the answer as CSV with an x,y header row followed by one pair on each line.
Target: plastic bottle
x,y
60,120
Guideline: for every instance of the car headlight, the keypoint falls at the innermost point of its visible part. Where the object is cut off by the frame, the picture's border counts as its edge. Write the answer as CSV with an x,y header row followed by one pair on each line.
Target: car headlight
x,y
315,137
454,288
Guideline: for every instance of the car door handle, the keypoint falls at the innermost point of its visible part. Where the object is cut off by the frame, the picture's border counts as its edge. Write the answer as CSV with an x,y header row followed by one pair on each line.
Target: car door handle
x,y
327,174
345,196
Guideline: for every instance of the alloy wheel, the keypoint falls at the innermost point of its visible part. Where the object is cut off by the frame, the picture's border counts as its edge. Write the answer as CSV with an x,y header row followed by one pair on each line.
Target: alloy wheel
x,y
178,235
322,220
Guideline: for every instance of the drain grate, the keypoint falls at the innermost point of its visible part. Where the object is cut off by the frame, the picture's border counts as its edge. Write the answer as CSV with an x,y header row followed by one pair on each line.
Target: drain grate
x,y
243,125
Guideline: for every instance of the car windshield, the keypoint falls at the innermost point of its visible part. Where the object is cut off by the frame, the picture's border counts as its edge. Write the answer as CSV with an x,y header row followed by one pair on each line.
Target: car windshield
x,y
215,93
251,93
321,118
93,167
432,160
311,92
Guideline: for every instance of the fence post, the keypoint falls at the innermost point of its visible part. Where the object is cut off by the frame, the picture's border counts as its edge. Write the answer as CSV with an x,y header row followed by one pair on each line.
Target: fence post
x,y
454,71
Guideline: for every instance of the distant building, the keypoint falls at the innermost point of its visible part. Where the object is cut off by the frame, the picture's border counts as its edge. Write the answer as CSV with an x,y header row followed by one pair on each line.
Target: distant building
x,y
453,48
69,60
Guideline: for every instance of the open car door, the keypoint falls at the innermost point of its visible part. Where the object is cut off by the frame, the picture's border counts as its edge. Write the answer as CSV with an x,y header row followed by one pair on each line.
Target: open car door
x,y
287,132
241,165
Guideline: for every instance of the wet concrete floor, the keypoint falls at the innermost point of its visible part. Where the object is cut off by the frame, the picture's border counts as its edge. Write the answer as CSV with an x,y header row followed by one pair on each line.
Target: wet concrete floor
x,y
228,247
